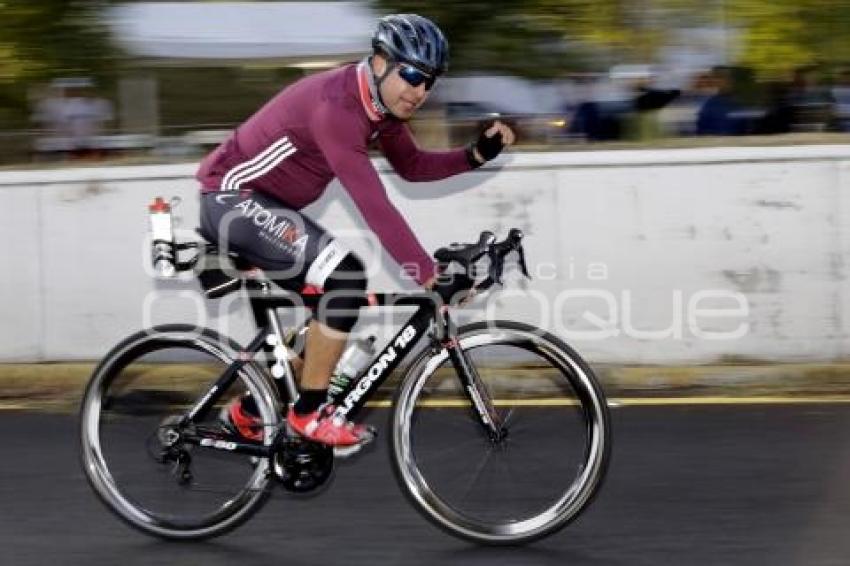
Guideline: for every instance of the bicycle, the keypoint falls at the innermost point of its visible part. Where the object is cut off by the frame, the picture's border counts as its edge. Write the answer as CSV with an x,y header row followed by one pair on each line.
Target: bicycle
x,y
468,400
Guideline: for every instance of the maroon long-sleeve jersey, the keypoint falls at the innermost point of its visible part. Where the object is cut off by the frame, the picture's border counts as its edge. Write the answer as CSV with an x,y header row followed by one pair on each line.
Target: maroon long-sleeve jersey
x,y
318,129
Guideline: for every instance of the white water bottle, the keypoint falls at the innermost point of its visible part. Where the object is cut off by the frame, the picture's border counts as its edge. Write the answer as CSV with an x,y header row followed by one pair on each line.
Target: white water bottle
x,y
163,238
351,363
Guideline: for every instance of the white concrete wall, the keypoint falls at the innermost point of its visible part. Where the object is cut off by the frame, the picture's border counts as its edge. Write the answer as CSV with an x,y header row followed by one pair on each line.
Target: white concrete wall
x,y
628,249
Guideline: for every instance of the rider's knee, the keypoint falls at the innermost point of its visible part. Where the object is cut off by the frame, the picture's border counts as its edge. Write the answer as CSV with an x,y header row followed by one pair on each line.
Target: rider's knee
x,y
345,294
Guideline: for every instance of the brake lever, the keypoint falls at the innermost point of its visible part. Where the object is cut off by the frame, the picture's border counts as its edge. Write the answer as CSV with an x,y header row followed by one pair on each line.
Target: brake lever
x,y
515,236
485,241
522,265
497,264
500,250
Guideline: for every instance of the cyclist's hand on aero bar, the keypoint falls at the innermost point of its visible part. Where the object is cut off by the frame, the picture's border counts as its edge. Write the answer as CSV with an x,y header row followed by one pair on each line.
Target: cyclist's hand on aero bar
x,y
490,143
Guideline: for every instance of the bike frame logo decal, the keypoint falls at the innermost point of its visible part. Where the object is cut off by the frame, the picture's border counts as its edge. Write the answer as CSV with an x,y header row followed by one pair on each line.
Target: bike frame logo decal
x,y
405,338
219,444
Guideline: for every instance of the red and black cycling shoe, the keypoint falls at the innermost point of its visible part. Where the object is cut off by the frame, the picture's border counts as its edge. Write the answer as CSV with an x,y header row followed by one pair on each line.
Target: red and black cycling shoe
x,y
323,427
248,426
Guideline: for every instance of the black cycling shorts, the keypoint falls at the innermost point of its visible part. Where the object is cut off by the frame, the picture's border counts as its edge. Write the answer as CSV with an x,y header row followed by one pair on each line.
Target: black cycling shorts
x,y
292,249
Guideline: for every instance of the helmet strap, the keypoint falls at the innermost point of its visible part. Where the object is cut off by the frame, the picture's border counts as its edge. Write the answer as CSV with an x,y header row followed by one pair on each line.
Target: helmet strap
x,y
375,83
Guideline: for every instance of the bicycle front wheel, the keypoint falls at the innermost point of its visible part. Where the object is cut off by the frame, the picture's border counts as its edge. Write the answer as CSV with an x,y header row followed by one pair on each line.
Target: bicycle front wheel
x,y
130,430
537,478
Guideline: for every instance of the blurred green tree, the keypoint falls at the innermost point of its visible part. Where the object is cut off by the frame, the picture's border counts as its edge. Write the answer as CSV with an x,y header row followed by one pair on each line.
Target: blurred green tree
x,y
780,35
47,39
546,37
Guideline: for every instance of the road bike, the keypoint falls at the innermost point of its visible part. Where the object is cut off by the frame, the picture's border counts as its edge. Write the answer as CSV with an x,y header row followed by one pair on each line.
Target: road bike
x,y
499,432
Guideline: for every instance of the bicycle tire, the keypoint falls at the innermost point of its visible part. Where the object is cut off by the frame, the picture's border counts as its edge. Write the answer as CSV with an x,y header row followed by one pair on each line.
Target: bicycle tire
x,y
421,484
96,466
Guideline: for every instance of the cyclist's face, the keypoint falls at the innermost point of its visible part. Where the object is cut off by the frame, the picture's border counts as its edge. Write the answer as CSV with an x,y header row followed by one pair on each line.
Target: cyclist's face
x,y
399,95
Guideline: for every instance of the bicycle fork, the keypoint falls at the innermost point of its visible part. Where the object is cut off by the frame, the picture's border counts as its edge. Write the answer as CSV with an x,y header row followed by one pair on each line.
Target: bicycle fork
x,y
475,388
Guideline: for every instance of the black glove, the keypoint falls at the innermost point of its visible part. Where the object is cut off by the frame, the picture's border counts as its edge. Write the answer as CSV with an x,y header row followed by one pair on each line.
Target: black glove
x,y
488,148
449,285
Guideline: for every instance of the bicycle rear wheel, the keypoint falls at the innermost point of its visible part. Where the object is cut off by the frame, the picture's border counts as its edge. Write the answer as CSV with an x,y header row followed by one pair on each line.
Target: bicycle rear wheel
x,y
527,485
135,398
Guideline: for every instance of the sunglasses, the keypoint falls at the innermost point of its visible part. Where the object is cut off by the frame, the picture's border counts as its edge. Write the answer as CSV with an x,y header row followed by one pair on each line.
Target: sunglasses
x,y
414,77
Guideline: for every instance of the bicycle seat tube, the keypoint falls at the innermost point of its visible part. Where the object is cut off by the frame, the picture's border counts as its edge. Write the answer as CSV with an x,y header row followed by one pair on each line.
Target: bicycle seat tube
x,y
265,316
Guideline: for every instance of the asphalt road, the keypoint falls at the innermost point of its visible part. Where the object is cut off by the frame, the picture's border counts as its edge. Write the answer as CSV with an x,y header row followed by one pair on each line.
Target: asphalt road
x,y
725,485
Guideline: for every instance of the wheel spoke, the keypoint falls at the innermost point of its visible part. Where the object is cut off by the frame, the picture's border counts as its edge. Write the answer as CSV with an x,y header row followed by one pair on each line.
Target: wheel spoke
x,y
508,419
540,420
443,452
474,480
512,476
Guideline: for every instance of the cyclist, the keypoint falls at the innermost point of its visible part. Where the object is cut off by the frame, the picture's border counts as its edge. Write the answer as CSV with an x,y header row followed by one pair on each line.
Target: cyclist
x,y
283,157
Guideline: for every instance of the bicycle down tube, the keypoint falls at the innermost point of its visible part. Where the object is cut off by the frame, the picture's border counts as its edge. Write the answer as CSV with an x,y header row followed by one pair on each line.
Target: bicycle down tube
x,y
352,398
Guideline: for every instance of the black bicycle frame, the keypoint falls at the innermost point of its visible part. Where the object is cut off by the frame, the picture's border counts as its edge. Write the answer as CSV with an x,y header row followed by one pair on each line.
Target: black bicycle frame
x,y
430,314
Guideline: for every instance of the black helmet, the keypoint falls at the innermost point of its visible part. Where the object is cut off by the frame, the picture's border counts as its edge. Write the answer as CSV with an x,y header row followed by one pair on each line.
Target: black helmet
x,y
412,39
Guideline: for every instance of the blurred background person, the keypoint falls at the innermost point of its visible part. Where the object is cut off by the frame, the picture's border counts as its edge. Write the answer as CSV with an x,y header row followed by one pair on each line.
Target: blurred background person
x,y
679,117
810,102
797,105
718,115
73,117
647,102
841,96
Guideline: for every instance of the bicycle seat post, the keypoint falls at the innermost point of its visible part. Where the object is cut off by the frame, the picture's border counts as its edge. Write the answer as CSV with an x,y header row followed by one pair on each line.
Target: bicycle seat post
x,y
275,340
